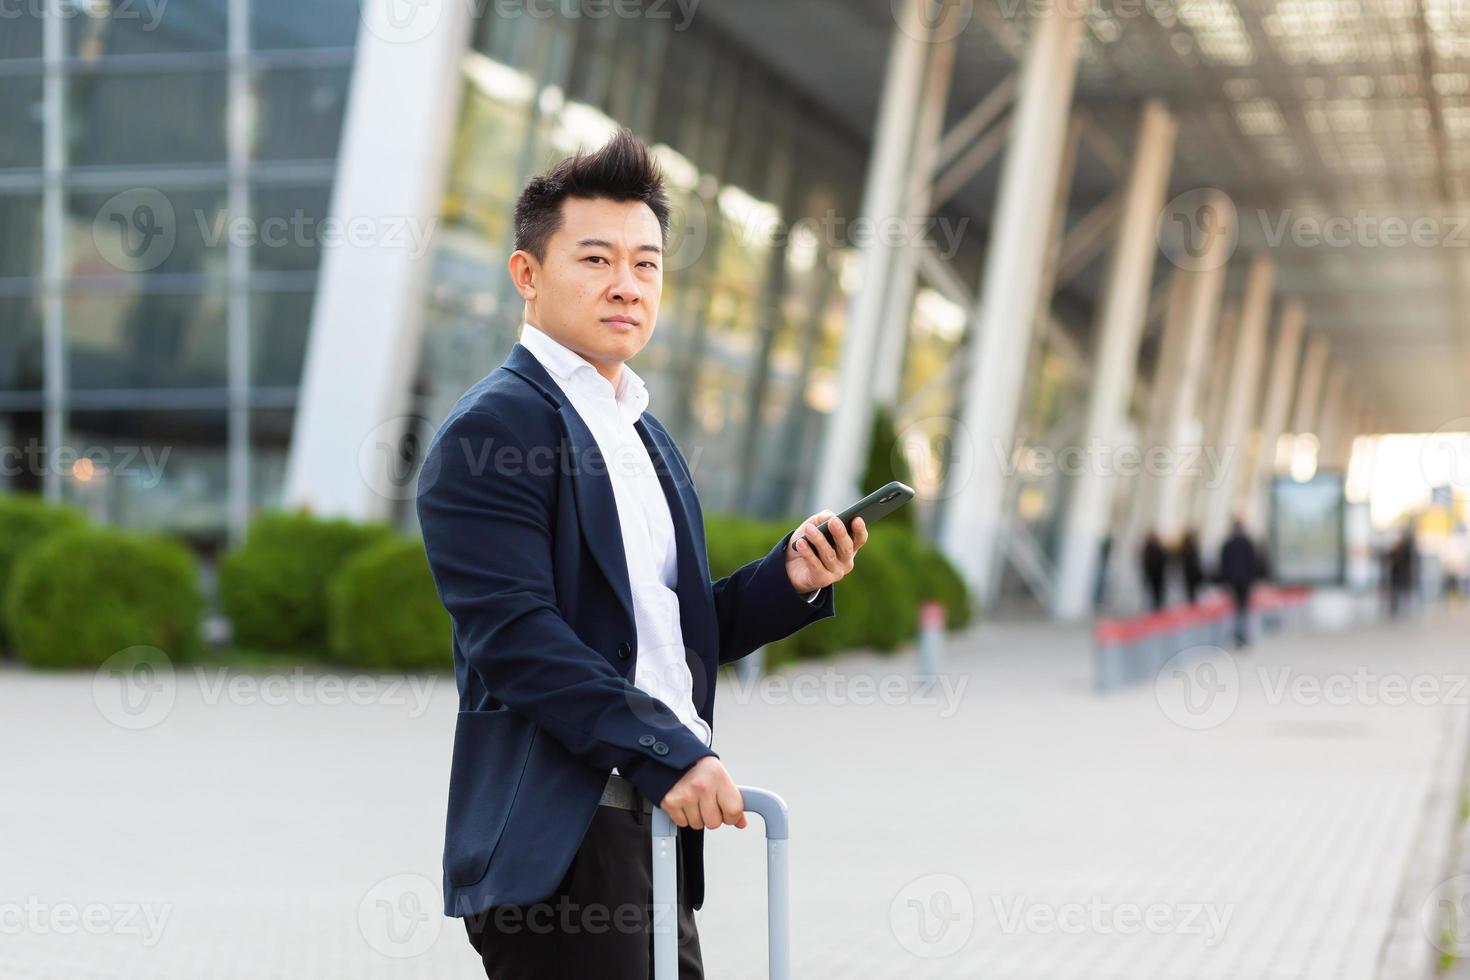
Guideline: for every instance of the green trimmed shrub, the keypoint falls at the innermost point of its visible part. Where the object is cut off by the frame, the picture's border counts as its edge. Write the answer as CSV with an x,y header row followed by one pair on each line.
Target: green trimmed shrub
x,y
887,463
937,578
877,605
26,521
274,587
84,594
385,613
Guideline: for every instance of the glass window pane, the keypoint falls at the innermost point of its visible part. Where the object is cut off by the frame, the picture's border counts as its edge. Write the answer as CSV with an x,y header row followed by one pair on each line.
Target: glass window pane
x,y
280,323
146,340
20,121
300,115
111,27
159,470
175,117
289,230
22,464
276,24
270,441
21,356
20,235
484,164
143,229
20,30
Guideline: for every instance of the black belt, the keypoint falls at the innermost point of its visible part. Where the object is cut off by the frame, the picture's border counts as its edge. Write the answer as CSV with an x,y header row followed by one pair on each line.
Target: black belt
x,y
621,793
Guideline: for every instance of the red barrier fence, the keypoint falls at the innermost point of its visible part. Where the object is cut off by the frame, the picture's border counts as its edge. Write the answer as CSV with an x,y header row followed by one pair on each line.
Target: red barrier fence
x,y
1133,649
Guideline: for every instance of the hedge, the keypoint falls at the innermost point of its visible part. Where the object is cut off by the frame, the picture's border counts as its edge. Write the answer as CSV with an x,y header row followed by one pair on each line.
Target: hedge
x,y
26,521
877,605
86,593
274,587
385,613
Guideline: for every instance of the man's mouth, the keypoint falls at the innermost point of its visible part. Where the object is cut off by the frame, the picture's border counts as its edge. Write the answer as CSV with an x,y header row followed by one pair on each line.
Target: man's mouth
x,y
621,323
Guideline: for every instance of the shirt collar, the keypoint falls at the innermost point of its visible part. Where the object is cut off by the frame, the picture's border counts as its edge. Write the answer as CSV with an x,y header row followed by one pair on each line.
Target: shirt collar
x,y
575,371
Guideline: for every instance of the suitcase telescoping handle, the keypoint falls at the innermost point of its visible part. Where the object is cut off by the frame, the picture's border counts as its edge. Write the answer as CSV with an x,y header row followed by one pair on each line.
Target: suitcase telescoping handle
x,y
772,810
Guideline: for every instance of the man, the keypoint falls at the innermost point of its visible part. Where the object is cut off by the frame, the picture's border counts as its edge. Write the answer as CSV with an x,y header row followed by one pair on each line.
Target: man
x,y
1239,569
1155,567
566,540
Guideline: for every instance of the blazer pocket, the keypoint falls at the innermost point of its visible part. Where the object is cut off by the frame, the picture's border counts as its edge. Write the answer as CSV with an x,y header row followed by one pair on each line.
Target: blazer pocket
x,y
490,753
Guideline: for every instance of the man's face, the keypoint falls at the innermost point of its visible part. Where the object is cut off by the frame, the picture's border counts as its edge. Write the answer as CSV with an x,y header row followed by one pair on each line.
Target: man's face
x,y
598,289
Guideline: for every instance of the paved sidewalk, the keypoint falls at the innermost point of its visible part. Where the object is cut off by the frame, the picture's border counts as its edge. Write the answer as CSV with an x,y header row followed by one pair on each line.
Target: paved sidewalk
x,y
1252,818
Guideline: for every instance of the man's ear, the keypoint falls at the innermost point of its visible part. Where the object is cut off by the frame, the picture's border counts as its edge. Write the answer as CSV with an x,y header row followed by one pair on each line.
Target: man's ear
x,y
525,272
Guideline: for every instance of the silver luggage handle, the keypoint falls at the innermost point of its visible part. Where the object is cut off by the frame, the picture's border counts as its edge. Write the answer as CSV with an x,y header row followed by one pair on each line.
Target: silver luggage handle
x,y
773,813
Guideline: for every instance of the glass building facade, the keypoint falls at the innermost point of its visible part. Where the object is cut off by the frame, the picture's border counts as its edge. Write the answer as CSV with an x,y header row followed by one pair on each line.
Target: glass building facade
x,y
158,206
742,365
157,293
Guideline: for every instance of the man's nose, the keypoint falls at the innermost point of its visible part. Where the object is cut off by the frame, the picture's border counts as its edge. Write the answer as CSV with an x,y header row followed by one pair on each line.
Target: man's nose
x,y
625,289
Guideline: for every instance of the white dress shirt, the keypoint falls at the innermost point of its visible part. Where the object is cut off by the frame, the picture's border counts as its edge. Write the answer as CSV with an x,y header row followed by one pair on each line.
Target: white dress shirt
x,y
643,517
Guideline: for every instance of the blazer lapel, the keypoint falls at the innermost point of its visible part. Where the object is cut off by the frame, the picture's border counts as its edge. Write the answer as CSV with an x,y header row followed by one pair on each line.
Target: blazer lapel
x,y
693,585
597,508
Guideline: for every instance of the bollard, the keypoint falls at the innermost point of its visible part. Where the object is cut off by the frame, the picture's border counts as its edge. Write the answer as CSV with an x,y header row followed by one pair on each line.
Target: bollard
x,y
1157,636
750,667
1112,640
931,641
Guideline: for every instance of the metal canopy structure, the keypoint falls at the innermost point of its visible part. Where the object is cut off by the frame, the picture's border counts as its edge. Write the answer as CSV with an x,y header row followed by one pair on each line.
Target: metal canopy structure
x,y
1337,129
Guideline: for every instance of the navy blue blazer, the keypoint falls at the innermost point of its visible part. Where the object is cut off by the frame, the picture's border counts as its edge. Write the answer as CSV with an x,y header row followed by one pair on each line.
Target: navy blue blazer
x,y
522,534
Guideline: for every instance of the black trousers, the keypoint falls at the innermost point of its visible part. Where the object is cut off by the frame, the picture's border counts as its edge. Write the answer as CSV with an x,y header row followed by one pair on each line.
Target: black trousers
x,y
598,922
1241,593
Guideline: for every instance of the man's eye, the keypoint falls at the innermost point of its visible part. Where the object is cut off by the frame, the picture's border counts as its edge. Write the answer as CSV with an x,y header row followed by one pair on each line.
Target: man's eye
x,y
649,265
596,258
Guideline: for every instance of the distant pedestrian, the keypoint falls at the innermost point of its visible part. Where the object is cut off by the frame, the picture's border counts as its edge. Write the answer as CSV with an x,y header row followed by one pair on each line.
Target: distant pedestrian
x,y
1240,566
1155,569
1403,561
1191,566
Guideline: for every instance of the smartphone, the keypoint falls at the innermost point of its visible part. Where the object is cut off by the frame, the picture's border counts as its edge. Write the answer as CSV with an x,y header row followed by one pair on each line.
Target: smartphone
x,y
878,504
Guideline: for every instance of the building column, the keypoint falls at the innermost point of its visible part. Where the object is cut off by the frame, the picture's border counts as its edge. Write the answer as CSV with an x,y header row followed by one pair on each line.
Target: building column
x,y
972,518
54,379
903,278
1120,327
1330,425
1309,391
1279,388
1231,464
1201,307
845,445
346,451
1212,413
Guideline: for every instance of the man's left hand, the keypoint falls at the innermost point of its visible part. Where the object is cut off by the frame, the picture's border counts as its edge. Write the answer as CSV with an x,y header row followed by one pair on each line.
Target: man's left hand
x,y
812,563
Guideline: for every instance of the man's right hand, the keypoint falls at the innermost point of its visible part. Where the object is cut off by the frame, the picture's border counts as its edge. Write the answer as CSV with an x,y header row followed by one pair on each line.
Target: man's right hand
x,y
705,796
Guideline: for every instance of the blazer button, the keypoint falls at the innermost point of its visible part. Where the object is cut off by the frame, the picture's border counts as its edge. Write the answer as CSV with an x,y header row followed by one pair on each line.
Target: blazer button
x,y
624,650
646,740
659,748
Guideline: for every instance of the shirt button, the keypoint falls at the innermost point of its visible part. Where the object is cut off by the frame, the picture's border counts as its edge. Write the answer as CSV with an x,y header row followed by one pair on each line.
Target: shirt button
x,y
659,748
646,740
624,650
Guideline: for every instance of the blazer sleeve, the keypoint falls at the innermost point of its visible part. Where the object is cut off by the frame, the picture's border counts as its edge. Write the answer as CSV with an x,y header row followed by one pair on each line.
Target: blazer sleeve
x,y
756,604
486,516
